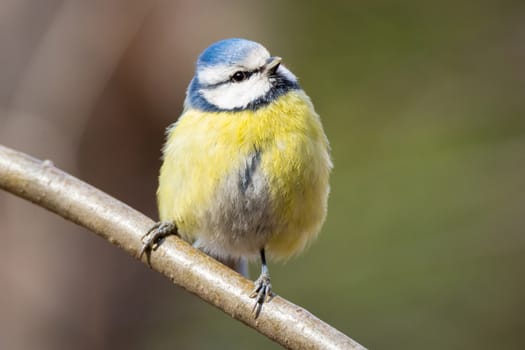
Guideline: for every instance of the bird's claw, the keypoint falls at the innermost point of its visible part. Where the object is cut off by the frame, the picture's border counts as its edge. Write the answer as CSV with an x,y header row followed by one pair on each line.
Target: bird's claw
x,y
153,237
262,293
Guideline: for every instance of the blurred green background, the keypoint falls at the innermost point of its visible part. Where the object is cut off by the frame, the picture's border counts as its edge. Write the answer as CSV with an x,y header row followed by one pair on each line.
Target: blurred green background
x,y
424,105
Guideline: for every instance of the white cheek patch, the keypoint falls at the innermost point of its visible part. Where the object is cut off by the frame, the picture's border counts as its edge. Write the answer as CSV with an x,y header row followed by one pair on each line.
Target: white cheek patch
x,y
237,95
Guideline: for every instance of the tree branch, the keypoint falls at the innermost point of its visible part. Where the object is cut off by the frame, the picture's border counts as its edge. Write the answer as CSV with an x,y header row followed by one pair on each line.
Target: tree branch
x,y
41,183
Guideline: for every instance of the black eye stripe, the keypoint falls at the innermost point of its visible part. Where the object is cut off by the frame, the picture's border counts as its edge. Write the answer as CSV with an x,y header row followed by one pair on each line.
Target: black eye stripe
x,y
240,75
245,75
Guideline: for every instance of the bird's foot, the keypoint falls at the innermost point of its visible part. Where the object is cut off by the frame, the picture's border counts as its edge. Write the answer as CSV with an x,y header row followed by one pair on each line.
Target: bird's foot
x,y
262,292
152,239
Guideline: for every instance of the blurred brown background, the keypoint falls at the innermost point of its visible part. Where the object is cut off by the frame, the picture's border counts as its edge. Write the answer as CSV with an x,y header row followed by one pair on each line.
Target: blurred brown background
x,y
424,104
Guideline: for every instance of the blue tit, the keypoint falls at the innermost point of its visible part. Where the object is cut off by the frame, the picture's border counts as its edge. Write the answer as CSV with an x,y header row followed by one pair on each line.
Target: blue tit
x,y
246,167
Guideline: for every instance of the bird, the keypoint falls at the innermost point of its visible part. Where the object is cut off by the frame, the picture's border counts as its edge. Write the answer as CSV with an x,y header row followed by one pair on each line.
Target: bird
x,y
246,167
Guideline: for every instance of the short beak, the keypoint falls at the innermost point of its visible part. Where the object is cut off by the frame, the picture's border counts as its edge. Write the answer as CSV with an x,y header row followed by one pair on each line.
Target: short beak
x,y
272,64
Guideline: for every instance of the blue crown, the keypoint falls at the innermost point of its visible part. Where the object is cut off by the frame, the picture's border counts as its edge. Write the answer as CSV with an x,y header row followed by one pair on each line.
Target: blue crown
x,y
227,51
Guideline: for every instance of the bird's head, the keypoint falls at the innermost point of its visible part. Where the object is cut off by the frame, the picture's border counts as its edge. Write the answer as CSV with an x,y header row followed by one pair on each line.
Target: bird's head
x,y
237,74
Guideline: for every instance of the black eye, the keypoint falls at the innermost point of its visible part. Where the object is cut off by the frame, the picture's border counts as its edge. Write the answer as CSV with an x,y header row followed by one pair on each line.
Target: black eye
x,y
238,76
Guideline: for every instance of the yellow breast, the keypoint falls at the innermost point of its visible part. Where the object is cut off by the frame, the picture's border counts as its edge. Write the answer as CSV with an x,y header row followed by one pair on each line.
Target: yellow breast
x,y
205,148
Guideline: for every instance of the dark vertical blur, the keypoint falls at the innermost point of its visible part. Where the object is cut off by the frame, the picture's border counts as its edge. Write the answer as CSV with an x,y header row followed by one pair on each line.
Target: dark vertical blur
x,y
423,104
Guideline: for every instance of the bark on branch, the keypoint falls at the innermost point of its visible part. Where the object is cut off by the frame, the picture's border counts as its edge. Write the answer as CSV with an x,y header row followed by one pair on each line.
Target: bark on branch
x,y
41,183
